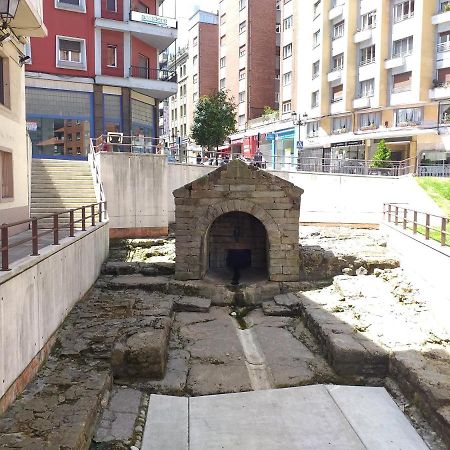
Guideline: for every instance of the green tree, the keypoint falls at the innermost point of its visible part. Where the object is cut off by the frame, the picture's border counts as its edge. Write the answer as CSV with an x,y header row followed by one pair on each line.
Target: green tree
x,y
382,156
214,120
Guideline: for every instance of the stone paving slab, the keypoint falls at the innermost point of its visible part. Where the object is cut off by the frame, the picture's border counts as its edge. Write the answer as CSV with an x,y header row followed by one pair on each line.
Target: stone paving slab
x,y
315,417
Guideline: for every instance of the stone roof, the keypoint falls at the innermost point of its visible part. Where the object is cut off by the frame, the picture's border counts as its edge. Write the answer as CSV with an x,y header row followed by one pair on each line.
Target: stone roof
x,y
240,173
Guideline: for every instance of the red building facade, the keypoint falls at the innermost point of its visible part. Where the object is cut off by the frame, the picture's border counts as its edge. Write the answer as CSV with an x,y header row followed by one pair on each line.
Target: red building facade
x,y
98,66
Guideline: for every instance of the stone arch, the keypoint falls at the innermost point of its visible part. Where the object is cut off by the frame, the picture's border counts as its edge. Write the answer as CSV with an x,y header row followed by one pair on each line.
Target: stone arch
x,y
218,209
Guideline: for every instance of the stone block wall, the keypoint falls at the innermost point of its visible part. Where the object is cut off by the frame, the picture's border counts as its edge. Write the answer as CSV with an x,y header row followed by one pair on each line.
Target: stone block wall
x,y
237,187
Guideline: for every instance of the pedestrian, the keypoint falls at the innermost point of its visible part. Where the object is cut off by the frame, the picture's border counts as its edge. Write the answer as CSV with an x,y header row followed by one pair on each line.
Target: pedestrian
x,y
199,158
258,158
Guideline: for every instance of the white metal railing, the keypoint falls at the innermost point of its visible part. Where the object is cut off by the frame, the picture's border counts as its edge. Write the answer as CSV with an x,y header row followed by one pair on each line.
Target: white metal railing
x,y
443,47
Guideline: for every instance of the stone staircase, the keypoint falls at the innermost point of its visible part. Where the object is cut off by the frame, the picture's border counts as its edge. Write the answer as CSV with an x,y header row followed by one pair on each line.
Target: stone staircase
x,y
59,185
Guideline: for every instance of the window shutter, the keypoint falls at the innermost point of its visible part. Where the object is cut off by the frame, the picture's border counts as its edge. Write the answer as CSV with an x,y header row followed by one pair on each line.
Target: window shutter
x,y
402,80
72,46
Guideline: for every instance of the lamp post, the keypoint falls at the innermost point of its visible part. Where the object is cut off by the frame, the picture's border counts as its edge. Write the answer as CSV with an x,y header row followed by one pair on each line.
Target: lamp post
x,y
8,10
300,121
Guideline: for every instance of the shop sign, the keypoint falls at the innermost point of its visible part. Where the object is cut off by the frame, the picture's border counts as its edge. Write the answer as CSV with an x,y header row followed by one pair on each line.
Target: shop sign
x,y
270,137
153,20
32,126
346,144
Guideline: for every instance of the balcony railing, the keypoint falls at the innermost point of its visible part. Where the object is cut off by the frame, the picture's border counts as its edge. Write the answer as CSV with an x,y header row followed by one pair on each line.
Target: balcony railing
x,y
152,74
443,47
336,100
366,62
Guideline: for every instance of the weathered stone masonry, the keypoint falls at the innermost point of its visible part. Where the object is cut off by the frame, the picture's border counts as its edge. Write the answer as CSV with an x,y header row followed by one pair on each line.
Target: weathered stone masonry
x,y
237,187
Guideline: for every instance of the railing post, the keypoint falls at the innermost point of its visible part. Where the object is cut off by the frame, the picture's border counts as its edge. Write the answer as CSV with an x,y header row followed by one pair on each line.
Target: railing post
x,y
389,212
100,205
71,224
405,215
105,211
55,229
415,223
4,244
427,226
396,216
93,215
83,218
34,237
443,231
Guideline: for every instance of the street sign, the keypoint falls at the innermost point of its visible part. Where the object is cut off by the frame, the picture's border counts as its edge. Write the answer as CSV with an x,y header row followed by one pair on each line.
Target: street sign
x,y
299,144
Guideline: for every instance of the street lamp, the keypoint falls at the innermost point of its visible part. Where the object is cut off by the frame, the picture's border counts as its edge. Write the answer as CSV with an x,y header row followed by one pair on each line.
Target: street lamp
x,y
300,121
8,10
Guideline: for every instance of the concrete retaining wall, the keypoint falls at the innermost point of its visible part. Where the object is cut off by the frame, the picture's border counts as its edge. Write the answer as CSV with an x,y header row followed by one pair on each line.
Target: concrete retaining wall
x,y
140,201
37,294
135,187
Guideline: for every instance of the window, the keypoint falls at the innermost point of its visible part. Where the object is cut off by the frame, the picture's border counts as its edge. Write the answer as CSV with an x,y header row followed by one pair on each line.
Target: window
x,y
286,108
3,65
241,120
223,19
195,97
277,28
408,117
195,78
111,56
140,7
242,97
111,5
222,41
444,6
316,39
242,27
342,124
242,51
315,99
73,5
242,74
287,23
287,51
368,121
336,93
315,69
337,62
402,47
287,78
366,88
316,9
404,10
195,41
6,175
222,83
368,20
222,62
71,52
312,129
78,136
338,30
242,4
443,41
367,55
401,82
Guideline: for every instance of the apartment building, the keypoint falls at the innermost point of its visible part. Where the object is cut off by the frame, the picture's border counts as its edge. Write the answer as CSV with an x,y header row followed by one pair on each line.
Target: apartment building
x,y
96,72
249,56
196,65
356,72
19,22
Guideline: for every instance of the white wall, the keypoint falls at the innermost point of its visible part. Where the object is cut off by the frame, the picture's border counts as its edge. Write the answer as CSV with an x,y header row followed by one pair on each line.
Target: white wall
x,y
135,186
38,293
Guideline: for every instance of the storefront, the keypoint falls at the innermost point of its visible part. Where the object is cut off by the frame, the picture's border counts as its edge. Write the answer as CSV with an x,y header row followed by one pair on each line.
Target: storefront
x,y
284,152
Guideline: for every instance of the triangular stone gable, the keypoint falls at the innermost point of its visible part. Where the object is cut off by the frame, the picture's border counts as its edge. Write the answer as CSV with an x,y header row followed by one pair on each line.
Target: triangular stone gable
x,y
237,172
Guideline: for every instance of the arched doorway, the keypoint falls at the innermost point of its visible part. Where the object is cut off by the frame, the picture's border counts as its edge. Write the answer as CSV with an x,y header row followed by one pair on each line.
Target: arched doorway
x,y
237,241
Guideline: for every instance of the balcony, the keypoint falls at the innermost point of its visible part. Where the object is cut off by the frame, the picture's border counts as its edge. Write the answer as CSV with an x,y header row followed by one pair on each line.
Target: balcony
x,y
395,61
337,105
336,12
335,75
443,47
363,35
28,19
156,83
440,91
442,16
362,102
157,31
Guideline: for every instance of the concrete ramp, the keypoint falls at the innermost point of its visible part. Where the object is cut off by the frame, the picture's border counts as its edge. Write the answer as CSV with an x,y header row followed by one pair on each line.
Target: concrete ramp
x,y
310,417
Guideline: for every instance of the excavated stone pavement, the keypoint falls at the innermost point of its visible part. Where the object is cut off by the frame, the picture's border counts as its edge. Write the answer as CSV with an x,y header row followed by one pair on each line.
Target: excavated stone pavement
x,y
376,324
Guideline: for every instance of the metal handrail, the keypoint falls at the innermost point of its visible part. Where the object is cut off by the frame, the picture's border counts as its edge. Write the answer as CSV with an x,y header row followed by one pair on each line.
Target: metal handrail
x,y
35,235
152,74
399,215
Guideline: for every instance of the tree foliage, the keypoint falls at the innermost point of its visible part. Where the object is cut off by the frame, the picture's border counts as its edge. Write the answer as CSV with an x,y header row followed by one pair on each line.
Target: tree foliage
x,y
214,120
382,156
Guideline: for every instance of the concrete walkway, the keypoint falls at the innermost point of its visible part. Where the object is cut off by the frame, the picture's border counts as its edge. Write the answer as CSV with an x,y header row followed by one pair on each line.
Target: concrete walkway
x,y
311,417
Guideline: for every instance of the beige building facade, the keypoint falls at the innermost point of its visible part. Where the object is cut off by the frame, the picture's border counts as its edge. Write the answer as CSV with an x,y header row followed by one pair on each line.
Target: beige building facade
x,y
15,156
359,71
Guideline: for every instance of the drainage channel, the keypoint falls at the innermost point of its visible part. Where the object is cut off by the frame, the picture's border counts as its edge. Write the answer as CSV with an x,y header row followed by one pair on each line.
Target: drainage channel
x,y
258,371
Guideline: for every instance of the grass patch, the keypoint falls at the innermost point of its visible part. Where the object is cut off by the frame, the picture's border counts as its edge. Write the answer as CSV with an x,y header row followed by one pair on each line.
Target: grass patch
x,y
439,190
